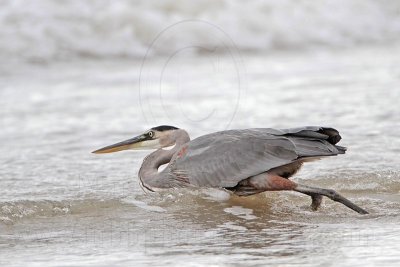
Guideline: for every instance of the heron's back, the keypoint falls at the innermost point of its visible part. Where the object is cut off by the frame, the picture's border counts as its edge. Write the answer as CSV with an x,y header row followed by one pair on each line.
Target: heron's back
x,y
223,159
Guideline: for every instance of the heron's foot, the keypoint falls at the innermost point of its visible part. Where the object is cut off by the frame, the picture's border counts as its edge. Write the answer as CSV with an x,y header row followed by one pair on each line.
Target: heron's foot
x,y
312,191
316,201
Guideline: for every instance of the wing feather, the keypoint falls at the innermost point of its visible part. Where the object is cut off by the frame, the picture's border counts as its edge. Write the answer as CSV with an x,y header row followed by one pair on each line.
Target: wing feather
x,y
223,159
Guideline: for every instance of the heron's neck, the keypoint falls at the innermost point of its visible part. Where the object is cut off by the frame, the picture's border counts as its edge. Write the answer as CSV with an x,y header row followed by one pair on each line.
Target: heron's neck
x,y
148,173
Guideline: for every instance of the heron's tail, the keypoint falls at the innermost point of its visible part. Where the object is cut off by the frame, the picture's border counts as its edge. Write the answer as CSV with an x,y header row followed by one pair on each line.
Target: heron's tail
x,y
341,149
329,134
315,141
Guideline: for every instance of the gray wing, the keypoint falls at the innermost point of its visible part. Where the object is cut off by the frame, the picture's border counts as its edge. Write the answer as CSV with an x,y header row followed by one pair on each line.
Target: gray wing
x,y
223,159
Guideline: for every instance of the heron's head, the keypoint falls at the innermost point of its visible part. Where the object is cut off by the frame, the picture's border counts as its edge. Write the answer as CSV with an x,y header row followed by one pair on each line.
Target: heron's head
x,y
155,138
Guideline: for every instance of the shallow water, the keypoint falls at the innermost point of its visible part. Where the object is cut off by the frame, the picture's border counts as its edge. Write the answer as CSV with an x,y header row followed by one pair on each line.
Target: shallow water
x,y
61,205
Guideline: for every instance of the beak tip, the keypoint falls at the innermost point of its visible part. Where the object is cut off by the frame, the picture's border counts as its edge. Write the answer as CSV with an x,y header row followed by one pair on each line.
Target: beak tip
x,y
98,151
101,152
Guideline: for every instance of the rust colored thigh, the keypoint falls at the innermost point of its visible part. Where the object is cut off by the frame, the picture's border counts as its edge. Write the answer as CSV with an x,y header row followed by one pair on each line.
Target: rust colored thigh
x,y
271,182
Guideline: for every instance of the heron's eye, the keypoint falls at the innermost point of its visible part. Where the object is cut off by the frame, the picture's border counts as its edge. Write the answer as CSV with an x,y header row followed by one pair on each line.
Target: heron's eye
x,y
151,134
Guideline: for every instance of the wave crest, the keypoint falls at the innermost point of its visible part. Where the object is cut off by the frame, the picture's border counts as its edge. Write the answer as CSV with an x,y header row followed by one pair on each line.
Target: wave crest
x,y
49,30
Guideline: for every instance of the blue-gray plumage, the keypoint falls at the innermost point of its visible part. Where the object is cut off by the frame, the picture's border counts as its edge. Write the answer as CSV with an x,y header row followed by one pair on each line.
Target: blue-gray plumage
x,y
223,159
245,162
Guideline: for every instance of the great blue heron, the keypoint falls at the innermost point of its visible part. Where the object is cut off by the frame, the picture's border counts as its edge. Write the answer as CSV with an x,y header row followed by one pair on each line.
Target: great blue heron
x,y
245,162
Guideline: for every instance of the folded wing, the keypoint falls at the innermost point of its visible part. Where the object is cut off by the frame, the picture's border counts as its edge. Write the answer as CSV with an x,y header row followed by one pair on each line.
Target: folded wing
x,y
223,159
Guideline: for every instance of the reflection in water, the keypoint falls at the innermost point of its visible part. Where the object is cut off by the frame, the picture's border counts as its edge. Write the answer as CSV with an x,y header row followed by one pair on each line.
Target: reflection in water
x,y
206,228
202,226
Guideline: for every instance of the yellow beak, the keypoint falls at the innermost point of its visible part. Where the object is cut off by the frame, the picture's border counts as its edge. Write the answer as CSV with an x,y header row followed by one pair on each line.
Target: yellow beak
x,y
133,143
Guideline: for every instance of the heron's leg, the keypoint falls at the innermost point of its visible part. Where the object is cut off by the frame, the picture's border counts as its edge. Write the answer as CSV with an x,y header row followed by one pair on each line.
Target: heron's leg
x,y
316,192
316,201
272,182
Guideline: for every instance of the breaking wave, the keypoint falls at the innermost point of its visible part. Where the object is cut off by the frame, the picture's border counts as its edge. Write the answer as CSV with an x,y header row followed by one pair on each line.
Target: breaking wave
x,y
49,30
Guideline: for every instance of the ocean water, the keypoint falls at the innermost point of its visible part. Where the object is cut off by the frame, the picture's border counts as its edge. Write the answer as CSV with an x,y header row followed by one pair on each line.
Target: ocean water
x,y
65,91
62,205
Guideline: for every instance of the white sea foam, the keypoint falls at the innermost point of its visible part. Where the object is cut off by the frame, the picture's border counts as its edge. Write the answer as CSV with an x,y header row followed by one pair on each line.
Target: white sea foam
x,y
48,30
233,226
145,206
215,194
241,212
